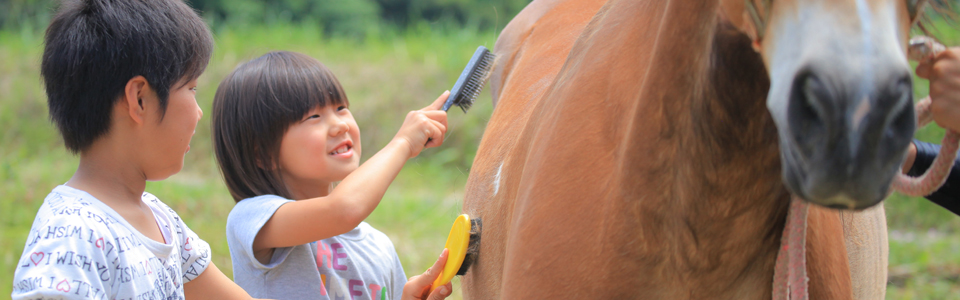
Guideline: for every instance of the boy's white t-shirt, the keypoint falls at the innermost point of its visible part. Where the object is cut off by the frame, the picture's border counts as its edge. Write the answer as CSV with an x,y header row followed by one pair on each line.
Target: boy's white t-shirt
x,y
80,248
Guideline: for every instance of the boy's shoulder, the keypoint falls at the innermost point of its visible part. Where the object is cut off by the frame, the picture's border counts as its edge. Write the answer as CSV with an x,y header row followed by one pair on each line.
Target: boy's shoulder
x,y
68,205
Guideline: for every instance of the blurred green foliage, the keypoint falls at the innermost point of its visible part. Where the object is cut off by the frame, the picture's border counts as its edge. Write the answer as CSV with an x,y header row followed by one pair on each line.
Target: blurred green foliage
x,y
337,17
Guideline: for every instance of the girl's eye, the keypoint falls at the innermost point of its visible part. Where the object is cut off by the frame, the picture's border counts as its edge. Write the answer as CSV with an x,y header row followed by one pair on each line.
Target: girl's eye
x,y
341,108
314,117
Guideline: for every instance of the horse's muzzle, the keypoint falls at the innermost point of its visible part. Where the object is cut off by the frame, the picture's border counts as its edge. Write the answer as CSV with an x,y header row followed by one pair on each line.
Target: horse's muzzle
x,y
847,136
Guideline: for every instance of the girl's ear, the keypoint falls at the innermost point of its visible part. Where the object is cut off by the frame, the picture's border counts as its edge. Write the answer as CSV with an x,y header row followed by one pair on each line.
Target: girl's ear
x,y
132,99
261,163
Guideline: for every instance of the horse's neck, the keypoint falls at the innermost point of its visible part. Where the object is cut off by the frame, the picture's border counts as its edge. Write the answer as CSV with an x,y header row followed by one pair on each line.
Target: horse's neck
x,y
717,156
729,142
731,139
701,110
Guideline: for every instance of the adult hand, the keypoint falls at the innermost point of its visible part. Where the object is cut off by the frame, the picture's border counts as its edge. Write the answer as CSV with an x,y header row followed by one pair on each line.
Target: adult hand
x,y
943,71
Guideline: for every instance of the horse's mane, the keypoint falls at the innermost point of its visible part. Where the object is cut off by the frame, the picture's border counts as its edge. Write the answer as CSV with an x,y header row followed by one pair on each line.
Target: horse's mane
x,y
933,10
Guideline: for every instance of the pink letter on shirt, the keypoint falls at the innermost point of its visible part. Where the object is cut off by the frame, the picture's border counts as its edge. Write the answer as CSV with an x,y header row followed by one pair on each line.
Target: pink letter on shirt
x,y
355,292
374,291
323,254
337,256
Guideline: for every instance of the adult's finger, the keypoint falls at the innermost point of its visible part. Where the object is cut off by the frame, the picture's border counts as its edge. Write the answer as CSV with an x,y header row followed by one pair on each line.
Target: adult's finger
x,y
923,68
437,104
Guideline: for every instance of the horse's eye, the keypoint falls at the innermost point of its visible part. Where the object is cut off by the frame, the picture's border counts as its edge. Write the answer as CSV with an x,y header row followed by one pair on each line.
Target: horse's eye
x,y
914,7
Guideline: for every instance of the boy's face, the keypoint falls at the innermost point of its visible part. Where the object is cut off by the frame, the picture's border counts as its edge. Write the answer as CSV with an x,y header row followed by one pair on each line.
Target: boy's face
x,y
321,148
168,140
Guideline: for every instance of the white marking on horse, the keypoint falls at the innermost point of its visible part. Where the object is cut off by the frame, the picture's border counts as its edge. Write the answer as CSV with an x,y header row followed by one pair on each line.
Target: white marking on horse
x,y
867,48
496,180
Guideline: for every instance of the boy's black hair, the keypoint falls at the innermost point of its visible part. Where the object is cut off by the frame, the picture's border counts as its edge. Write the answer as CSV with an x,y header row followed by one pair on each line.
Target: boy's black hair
x,y
94,47
252,110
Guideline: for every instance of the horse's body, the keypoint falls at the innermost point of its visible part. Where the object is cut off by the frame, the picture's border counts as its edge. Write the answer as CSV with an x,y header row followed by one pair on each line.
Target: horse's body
x,y
631,156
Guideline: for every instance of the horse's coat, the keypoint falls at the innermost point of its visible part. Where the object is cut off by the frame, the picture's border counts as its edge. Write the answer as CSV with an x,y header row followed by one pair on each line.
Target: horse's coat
x,y
632,155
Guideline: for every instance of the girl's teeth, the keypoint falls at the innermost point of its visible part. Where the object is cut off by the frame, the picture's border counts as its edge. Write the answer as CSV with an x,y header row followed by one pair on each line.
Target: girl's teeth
x,y
340,150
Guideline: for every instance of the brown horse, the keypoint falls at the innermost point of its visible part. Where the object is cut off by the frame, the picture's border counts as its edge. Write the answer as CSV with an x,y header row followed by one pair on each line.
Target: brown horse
x,y
648,149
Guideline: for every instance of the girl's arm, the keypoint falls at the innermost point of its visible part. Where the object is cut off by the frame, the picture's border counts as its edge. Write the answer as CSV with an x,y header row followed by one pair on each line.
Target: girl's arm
x,y
309,220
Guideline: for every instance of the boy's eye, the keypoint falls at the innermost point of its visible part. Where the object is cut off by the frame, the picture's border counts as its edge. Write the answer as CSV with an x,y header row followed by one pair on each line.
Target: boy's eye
x,y
341,108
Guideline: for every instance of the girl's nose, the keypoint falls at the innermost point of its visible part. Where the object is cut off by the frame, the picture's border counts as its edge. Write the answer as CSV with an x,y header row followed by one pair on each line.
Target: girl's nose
x,y
339,127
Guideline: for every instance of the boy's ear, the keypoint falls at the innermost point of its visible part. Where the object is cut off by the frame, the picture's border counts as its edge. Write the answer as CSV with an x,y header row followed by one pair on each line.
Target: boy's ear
x,y
133,93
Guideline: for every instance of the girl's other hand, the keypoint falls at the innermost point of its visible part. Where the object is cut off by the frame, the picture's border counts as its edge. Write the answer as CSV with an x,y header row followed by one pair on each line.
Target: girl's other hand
x,y
427,124
943,71
418,286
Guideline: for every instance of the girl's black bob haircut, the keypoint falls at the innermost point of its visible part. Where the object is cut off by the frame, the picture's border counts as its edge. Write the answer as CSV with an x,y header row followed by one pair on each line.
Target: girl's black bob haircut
x,y
253,108
94,47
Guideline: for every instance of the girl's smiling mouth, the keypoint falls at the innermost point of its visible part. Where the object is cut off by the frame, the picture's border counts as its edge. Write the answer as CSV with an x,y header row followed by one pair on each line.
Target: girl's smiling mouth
x,y
344,149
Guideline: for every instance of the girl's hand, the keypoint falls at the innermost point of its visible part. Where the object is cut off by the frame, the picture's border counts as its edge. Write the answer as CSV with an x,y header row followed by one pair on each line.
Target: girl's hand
x,y
943,71
418,286
427,124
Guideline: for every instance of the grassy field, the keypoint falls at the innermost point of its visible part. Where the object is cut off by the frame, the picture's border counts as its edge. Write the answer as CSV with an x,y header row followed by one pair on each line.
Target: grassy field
x,y
384,76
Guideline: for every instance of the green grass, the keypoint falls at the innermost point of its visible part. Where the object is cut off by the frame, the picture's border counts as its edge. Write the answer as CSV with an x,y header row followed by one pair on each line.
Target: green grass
x,y
384,76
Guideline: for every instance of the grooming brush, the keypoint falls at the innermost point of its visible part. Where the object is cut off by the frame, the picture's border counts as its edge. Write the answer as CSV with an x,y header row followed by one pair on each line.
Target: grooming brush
x,y
468,86
464,246
470,83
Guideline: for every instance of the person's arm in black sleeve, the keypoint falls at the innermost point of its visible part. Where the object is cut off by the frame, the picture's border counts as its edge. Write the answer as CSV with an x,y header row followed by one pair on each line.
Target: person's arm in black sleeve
x,y
948,196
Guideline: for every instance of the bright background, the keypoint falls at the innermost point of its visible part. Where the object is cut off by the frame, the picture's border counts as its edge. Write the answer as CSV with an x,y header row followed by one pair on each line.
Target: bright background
x,y
391,56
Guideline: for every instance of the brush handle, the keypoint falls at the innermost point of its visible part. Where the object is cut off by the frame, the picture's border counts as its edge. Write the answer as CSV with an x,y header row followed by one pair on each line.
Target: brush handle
x,y
457,89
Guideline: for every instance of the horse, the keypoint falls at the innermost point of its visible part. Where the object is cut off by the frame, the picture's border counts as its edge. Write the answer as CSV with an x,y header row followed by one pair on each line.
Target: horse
x,y
649,149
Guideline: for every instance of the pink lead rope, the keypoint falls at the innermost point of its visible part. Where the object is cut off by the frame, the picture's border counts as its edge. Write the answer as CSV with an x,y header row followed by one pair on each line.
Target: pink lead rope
x,y
790,272
924,48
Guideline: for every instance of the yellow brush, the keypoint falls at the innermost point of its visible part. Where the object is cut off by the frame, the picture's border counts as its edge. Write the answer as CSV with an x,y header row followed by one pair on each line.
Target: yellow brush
x,y
464,237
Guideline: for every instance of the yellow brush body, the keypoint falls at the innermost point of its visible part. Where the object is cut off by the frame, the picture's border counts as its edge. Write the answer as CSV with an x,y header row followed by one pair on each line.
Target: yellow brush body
x,y
457,243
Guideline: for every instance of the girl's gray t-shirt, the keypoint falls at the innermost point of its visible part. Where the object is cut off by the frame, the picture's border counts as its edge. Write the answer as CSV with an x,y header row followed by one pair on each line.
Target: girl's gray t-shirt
x,y
360,264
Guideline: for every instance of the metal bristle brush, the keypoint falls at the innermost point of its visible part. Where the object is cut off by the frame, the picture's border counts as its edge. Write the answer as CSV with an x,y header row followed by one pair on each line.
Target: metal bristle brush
x,y
471,80
470,83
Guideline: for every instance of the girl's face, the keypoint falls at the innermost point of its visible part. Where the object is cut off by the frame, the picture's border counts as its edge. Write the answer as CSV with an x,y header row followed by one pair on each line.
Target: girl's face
x,y
320,149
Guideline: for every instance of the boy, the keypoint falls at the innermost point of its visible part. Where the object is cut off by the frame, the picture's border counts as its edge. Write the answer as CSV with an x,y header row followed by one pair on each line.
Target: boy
x,y
120,77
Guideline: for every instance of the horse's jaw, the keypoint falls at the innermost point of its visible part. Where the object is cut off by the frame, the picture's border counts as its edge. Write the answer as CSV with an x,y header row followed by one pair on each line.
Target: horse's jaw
x,y
841,95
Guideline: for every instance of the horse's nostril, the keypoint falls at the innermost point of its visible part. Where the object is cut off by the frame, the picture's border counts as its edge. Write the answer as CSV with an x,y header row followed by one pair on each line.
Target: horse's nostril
x,y
901,95
808,111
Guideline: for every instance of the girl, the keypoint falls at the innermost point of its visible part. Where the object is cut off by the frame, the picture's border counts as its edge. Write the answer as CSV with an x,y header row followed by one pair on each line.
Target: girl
x,y
283,134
